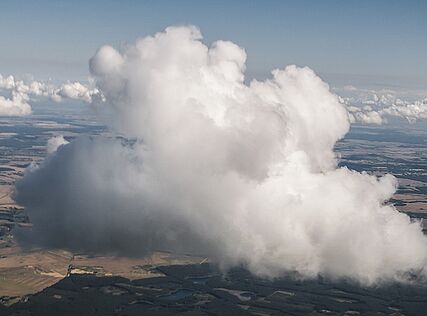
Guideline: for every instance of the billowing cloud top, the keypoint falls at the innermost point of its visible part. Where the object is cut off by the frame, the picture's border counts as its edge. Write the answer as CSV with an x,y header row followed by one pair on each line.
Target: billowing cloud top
x,y
245,174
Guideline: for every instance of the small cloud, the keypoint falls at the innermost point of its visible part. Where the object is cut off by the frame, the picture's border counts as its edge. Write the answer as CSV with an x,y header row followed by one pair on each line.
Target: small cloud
x,y
54,143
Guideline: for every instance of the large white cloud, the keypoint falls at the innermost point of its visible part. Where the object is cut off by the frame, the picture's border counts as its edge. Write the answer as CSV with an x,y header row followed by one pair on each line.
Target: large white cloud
x,y
245,174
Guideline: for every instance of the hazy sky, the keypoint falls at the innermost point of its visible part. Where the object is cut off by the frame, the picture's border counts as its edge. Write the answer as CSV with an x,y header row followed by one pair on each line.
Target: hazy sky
x,y
347,42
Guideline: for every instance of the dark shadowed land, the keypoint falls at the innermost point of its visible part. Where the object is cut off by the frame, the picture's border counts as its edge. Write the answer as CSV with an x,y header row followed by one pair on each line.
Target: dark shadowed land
x,y
201,290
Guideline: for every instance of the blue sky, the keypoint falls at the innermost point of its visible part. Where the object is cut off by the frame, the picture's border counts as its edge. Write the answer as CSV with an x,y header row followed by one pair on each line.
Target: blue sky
x,y
346,42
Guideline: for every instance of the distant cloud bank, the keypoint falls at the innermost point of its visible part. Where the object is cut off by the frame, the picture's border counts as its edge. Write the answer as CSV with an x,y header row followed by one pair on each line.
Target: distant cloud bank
x,y
375,106
20,93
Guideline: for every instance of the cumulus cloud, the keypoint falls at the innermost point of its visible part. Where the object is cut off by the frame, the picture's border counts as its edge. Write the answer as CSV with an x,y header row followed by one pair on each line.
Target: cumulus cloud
x,y
409,111
74,90
22,92
374,107
364,115
7,82
244,174
31,88
54,143
15,106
